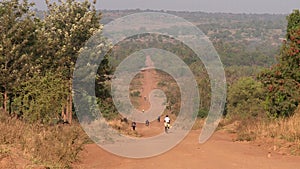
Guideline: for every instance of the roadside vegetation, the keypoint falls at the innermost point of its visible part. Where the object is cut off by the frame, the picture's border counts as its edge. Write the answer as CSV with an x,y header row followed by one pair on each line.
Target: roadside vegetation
x,y
41,146
37,58
266,107
38,52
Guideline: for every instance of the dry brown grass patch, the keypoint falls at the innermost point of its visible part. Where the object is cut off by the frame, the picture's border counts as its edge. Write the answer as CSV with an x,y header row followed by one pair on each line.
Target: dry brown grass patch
x,y
282,135
51,146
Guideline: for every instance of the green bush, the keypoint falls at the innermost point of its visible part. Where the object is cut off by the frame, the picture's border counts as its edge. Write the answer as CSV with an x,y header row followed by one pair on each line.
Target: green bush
x,y
40,98
245,99
135,94
202,113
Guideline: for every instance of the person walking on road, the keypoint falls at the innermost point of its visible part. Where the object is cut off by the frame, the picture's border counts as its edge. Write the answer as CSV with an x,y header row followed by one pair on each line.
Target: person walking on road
x,y
167,122
133,125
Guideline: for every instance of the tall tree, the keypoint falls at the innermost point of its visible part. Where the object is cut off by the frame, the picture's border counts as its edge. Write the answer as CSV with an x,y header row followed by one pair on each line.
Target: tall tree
x,y
283,79
66,28
17,36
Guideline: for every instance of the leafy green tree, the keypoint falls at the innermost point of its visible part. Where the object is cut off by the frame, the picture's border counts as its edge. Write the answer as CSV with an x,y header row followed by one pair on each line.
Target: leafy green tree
x,y
17,38
293,23
283,80
37,56
66,28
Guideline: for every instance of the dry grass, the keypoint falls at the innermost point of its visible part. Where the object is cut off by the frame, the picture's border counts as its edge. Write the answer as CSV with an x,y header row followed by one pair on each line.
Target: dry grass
x,y
198,124
49,146
124,128
280,134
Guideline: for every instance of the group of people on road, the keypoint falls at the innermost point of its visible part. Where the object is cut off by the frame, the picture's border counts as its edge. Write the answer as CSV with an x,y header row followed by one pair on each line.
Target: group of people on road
x,y
167,123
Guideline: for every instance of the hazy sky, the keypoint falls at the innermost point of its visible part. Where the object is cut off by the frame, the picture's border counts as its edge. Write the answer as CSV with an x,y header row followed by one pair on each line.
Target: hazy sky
x,y
231,6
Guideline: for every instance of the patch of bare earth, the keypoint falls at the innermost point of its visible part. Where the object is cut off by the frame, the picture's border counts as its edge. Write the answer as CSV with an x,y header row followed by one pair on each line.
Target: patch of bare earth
x,y
219,152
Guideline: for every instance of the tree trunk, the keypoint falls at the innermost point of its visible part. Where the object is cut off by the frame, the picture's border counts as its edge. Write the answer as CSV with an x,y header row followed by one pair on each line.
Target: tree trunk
x,y
2,100
70,109
5,101
70,102
67,111
2,103
10,106
63,113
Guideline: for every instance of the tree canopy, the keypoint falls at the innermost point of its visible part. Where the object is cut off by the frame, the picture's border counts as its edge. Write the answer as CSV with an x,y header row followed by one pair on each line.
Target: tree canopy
x,y
283,79
38,55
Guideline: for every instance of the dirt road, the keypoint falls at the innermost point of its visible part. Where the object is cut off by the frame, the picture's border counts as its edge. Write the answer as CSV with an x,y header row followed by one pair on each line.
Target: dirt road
x,y
220,152
148,82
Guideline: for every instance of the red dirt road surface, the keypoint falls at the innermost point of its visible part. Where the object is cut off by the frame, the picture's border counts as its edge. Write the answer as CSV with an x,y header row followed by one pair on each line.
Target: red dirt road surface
x,y
220,152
